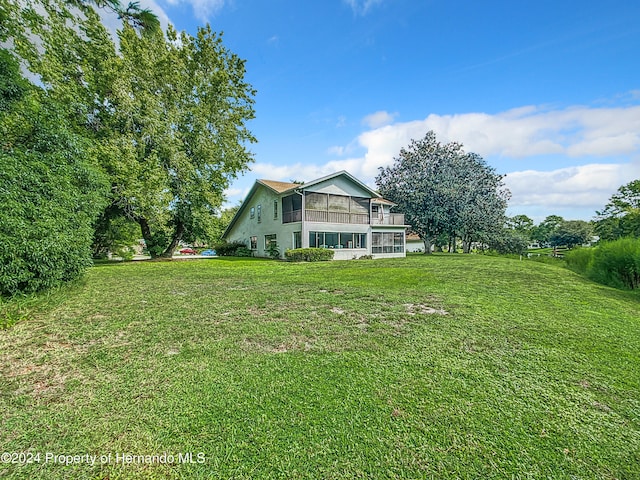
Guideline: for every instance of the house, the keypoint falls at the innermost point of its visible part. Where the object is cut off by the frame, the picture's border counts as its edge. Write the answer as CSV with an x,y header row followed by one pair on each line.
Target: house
x,y
414,243
337,211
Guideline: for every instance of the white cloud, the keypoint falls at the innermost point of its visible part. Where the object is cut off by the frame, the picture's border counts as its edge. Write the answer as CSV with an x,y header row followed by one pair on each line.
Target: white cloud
x,y
587,186
362,7
580,134
379,119
202,9
518,133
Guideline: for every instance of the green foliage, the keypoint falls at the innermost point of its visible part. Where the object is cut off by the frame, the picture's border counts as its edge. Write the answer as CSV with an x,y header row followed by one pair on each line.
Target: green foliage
x,y
546,228
617,263
165,114
444,190
116,234
51,194
309,254
508,242
621,216
225,249
579,260
177,134
244,252
273,250
571,233
521,224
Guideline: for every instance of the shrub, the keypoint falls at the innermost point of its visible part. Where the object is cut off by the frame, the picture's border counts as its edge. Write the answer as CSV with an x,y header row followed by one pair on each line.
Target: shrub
x,y
273,250
617,263
508,242
51,192
309,255
579,260
225,249
244,252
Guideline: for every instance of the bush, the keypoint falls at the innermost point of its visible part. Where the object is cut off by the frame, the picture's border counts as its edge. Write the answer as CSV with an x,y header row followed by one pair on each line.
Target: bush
x,y
617,263
579,260
232,249
508,242
273,250
309,255
244,252
51,193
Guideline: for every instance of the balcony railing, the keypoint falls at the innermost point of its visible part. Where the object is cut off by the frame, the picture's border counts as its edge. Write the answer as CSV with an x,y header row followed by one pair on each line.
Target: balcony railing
x,y
389,219
336,217
323,216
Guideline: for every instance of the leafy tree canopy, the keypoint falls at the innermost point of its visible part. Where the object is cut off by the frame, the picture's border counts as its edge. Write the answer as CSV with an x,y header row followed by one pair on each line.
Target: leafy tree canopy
x,y
621,216
571,233
444,190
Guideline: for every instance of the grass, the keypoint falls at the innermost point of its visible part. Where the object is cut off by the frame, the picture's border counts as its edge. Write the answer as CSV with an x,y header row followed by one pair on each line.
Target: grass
x,y
450,366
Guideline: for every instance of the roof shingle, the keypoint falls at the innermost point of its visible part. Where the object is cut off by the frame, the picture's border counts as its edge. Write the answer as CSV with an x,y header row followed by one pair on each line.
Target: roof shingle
x,y
279,186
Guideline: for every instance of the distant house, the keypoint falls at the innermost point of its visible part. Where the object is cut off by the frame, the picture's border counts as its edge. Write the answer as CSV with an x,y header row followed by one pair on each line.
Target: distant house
x,y
337,212
414,243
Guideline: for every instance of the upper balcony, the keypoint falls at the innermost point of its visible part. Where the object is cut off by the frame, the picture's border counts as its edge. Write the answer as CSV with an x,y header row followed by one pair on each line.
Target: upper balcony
x,y
324,216
389,219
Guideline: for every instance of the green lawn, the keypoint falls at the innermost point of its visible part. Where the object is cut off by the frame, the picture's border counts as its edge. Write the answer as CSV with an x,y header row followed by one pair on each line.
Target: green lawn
x,y
450,366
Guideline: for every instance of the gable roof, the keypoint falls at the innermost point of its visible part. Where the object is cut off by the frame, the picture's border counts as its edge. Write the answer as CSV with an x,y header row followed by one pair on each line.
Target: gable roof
x,y
279,187
344,173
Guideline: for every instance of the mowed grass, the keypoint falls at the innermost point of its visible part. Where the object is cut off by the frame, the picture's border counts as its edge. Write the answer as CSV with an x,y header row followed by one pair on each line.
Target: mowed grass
x,y
451,366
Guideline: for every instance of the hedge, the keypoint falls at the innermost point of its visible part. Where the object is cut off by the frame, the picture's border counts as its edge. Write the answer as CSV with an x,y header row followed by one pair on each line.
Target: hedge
x,y
309,255
233,249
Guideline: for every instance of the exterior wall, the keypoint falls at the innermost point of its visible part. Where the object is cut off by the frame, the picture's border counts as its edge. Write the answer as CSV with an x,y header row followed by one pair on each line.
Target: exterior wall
x,y
246,227
339,186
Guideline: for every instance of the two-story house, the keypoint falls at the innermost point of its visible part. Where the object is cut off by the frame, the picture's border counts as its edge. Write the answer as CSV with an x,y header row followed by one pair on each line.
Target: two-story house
x,y
337,211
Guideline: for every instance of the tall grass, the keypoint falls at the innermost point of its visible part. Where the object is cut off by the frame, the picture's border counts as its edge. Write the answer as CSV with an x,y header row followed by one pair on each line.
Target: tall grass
x,y
616,263
579,260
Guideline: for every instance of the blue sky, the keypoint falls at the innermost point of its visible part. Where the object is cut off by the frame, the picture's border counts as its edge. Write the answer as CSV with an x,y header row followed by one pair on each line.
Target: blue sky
x,y
548,92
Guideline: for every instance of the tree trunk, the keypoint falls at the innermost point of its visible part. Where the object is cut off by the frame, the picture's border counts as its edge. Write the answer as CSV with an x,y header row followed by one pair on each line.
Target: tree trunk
x,y
175,240
427,246
466,244
146,234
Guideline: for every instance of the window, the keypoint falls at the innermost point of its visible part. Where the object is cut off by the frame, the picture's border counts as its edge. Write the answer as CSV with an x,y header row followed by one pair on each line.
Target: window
x,y
254,243
398,242
259,213
337,240
392,242
297,239
268,239
275,209
253,212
